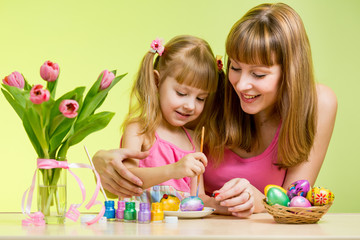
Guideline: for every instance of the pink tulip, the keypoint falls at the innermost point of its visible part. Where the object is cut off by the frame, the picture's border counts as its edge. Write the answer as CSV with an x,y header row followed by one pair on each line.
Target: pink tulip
x,y
68,108
15,79
107,79
49,71
39,95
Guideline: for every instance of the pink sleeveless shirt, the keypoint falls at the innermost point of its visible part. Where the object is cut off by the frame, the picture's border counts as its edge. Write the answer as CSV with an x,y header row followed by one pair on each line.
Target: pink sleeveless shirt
x,y
162,153
258,170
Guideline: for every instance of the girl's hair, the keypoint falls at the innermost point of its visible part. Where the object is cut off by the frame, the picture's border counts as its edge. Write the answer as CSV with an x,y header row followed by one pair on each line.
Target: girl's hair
x,y
189,60
270,34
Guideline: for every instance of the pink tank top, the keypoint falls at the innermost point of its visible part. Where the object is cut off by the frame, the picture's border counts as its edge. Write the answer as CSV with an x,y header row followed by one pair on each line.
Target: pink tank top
x,y
162,153
258,170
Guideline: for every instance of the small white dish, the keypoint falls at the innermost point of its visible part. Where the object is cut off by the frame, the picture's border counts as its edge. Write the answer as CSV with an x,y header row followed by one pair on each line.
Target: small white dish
x,y
190,214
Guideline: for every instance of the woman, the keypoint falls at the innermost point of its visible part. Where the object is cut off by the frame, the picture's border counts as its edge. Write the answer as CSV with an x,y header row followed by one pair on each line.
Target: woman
x,y
275,123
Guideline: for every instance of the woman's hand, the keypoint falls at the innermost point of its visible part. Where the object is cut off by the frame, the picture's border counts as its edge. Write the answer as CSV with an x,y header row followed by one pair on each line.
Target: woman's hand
x,y
240,197
115,177
190,165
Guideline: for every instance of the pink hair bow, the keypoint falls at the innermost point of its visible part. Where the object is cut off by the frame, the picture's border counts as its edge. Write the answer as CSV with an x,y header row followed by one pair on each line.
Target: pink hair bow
x,y
157,46
72,213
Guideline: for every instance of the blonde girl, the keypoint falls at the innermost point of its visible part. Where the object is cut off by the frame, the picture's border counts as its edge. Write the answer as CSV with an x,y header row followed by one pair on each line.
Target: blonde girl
x,y
170,91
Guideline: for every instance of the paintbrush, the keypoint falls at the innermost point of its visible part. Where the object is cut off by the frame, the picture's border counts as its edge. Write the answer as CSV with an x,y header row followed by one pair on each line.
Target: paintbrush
x,y
201,150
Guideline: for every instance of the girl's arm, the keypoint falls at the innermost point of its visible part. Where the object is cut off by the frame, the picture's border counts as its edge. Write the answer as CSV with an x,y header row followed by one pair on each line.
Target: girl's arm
x,y
189,166
327,108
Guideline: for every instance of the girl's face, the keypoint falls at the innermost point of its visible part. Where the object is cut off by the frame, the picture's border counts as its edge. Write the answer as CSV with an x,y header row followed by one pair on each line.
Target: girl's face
x,y
256,85
180,103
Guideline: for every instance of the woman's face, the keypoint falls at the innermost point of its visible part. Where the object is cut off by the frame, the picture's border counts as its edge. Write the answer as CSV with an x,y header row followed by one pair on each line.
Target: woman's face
x,y
256,85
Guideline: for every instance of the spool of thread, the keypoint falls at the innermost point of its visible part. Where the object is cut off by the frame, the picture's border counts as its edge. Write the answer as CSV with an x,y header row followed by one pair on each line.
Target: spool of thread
x,y
130,212
144,215
109,209
120,211
157,213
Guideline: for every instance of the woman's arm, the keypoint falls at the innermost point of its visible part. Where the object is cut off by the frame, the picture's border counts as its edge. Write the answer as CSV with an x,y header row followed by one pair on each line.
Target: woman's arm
x,y
309,170
116,179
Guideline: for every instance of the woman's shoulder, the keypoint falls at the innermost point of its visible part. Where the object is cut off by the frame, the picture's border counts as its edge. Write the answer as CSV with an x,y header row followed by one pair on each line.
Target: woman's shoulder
x,y
327,101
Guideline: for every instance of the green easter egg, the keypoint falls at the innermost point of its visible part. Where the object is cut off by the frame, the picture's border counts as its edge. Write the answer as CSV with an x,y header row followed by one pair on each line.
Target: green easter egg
x,y
276,196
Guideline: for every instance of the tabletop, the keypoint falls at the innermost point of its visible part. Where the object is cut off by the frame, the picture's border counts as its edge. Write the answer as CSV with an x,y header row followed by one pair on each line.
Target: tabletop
x,y
258,226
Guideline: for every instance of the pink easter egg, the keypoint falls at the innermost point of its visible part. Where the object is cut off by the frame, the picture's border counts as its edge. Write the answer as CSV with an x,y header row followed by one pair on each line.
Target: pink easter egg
x,y
299,201
298,188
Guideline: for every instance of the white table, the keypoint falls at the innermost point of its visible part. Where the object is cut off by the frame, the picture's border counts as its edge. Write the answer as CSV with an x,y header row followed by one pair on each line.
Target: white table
x,y
258,226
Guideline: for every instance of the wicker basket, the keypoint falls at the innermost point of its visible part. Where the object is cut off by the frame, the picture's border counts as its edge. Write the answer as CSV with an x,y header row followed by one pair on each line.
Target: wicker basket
x,y
297,215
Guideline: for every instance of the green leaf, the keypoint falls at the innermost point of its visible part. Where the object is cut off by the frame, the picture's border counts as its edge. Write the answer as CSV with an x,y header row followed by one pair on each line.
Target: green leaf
x,y
51,86
27,86
58,136
17,107
96,97
17,94
89,125
35,123
33,138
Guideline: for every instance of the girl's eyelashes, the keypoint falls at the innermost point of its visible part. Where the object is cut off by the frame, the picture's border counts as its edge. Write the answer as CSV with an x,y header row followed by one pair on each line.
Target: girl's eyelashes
x,y
201,99
259,75
180,93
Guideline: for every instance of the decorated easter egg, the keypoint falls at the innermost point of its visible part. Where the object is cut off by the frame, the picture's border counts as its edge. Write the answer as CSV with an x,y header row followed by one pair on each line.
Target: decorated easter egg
x,y
170,202
266,189
192,203
277,196
298,188
319,196
299,201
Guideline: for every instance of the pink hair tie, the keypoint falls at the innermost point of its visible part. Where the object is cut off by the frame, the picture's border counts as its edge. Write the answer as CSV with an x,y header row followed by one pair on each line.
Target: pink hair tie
x,y
157,46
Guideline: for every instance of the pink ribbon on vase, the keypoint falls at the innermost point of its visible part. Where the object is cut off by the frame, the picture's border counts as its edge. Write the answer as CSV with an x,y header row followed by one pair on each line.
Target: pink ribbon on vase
x,y
72,213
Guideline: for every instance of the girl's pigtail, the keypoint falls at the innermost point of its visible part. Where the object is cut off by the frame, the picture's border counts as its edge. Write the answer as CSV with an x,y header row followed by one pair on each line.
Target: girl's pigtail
x,y
143,110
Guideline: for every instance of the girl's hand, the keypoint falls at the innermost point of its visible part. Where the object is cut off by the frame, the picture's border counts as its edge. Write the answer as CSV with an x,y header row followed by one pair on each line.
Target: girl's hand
x,y
191,165
115,177
238,196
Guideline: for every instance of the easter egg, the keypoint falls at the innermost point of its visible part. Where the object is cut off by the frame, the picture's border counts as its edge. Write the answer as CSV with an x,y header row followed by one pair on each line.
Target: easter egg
x,y
298,188
320,196
266,189
299,201
277,196
170,202
192,203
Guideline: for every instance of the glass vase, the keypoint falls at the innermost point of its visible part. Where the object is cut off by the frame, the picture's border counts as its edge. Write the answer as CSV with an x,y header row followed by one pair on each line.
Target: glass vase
x,y
52,195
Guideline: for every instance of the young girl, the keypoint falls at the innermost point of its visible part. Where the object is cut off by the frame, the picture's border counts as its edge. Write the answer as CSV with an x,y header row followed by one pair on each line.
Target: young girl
x,y
170,92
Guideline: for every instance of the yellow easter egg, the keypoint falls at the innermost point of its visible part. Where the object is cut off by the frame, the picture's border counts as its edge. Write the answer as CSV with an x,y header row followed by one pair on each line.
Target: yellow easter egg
x,y
266,189
170,203
320,196
309,196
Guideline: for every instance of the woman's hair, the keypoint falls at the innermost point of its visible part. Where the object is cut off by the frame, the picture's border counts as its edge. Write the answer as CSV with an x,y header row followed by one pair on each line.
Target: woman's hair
x,y
189,60
269,34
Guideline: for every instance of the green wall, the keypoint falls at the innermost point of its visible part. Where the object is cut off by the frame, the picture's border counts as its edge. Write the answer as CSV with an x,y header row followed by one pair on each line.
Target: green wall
x,y
86,37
